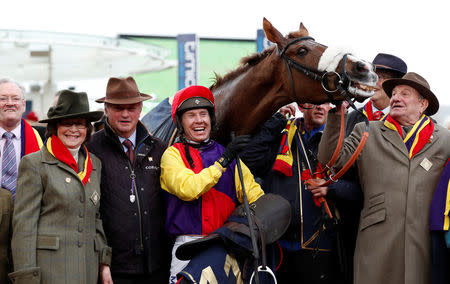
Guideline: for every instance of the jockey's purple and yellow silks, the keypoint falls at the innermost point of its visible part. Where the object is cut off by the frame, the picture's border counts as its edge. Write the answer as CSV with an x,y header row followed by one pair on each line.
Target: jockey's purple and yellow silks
x,y
201,199
419,135
60,152
30,139
440,206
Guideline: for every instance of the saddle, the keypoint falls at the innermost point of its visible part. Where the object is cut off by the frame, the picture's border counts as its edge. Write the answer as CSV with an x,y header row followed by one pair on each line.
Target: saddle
x,y
271,215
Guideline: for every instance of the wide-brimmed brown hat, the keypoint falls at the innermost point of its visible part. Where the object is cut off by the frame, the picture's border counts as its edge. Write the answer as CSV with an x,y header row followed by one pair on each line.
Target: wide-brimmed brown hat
x,y
417,82
71,104
123,91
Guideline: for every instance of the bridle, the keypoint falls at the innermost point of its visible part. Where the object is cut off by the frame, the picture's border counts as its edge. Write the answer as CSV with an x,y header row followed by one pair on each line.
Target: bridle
x,y
341,82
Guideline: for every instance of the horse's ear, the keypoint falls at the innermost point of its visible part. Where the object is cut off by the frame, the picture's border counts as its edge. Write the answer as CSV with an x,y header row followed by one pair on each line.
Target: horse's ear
x,y
273,34
302,28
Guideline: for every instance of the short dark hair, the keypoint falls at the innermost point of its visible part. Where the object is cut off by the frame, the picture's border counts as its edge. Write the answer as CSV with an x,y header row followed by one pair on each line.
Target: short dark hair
x,y
52,129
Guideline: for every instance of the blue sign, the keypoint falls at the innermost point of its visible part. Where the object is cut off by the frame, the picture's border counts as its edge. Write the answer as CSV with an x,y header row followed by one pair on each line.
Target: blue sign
x,y
187,60
261,41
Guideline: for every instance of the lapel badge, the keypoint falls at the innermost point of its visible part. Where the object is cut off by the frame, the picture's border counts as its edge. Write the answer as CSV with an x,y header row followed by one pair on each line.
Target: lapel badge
x,y
68,179
150,159
426,164
95,197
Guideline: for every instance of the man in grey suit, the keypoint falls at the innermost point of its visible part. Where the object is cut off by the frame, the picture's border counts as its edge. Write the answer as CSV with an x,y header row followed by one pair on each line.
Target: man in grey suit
x,y
399,169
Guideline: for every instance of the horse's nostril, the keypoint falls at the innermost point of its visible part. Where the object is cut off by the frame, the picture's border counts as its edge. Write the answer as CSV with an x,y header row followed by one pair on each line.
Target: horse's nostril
x,y
361,67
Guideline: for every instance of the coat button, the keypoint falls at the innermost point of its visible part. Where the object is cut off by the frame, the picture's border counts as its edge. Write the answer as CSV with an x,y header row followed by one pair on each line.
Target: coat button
x,y
80,244
81,215
35,273
68,179
145,212
142,189
81,199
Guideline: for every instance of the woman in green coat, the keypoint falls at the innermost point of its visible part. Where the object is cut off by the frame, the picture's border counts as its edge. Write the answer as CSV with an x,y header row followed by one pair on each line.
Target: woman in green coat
x,y
57,232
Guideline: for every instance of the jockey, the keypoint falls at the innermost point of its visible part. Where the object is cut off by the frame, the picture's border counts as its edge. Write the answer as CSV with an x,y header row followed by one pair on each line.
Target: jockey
x,y
200,175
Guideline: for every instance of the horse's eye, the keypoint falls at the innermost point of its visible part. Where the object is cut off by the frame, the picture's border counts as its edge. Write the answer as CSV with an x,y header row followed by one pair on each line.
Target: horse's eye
x,y
302,51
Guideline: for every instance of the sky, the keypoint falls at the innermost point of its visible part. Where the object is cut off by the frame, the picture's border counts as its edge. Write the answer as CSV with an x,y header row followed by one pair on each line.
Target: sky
x,y
416,31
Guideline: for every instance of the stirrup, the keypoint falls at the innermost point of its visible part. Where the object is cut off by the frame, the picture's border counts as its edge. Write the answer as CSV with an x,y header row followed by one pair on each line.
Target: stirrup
x,y
267,270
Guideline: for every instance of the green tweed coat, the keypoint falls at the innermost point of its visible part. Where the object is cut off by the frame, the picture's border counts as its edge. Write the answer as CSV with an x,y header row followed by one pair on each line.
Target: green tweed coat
x,y
6,211
57,231
393,244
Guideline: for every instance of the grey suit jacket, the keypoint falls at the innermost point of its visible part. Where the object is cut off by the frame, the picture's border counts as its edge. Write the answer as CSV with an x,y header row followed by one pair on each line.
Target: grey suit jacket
x,y
57,232
393,244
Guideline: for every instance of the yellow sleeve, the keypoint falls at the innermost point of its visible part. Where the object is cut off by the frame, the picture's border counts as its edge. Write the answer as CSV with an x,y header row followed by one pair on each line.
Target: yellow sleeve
x,y
181,181
252,188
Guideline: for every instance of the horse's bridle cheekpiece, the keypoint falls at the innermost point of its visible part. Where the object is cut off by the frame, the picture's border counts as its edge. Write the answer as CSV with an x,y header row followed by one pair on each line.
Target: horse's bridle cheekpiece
x,y
341,81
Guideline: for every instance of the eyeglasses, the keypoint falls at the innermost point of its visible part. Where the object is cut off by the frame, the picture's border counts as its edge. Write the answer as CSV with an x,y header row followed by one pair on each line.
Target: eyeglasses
x,y
14,100
69,124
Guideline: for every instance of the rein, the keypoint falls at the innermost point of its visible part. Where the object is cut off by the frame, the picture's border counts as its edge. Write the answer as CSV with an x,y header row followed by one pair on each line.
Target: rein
x,y
341,81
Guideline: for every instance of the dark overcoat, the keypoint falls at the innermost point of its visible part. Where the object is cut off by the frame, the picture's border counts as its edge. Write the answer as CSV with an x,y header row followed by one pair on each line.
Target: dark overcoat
x,y
134,230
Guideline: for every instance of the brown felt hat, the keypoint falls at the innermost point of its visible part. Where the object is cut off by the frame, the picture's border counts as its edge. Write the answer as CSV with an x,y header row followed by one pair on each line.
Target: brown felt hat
x,y
417,82
123,91
72,105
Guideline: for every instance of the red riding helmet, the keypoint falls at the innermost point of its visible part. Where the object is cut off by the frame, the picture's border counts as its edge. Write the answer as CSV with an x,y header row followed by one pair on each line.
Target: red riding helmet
x,y
192,97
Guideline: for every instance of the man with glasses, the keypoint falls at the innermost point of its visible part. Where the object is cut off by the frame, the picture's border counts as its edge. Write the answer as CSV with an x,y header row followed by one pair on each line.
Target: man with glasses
x,y
17,138
283,154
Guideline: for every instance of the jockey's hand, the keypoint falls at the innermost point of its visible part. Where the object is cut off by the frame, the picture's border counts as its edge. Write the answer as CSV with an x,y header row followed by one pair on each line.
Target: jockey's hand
x,y
234,147
315,188
287,109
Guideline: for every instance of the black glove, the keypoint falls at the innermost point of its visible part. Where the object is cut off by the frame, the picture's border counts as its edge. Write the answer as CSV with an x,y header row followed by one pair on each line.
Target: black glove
x,y
234,147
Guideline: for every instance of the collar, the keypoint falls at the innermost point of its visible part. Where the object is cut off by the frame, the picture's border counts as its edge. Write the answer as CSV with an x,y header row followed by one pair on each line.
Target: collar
x,y
132,138
385,110
16,131
307,135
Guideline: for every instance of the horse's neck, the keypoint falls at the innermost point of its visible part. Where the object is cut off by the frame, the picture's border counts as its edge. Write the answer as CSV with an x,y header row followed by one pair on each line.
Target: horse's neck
x,y
249,100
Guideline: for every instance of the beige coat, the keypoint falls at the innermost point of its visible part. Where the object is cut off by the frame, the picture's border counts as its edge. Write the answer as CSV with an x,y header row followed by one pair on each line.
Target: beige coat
x,y
57,233
393,244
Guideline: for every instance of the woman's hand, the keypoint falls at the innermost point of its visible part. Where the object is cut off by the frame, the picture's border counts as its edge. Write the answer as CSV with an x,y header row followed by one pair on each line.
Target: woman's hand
x,y
105,274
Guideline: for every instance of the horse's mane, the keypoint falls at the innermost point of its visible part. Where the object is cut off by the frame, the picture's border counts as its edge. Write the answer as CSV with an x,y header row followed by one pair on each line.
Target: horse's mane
x,y
245,64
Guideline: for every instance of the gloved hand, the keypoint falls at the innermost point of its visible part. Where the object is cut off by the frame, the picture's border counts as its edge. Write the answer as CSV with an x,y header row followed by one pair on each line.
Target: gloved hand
x,y
234,147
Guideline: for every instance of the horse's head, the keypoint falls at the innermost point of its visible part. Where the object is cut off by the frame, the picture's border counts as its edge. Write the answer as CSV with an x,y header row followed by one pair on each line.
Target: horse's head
x,y
337,73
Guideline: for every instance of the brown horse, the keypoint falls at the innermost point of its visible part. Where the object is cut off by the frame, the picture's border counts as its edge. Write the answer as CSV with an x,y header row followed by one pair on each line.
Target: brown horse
x,y
295,69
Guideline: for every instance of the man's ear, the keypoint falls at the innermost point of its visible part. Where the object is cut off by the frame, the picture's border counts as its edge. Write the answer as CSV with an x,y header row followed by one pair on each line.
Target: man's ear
x,y
424,105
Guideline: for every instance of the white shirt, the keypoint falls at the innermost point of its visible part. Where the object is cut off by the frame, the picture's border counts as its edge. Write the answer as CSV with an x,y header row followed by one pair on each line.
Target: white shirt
x,y
386,110
16,142
132,138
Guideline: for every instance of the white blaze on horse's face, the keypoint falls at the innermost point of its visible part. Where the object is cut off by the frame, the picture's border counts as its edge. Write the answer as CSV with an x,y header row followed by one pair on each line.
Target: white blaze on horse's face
x,y
362,75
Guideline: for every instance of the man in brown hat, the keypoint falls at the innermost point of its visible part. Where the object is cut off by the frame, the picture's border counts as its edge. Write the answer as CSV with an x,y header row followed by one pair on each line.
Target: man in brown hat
x,y
399,169
131,206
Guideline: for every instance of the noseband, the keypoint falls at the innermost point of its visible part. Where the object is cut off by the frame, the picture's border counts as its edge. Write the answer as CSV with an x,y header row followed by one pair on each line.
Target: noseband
x,y
341,81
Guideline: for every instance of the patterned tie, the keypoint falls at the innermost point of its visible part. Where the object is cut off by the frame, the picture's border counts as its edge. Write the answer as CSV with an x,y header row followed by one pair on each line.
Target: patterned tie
x,y
377,115
129,152
9,166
